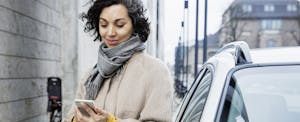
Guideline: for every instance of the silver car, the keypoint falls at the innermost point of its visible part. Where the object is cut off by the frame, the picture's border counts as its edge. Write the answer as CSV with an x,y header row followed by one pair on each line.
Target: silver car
x,y
242,85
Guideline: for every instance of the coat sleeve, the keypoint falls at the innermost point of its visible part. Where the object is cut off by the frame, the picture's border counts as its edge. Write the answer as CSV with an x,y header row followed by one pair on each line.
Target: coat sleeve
x,y
159,101
79,95
159,97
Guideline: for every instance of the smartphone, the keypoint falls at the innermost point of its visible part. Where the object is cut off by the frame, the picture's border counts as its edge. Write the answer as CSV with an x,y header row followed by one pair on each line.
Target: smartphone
x,y
90,103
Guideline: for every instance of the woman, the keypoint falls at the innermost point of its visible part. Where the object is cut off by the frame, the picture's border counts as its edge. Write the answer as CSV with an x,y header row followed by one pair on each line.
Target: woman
x,y
126,84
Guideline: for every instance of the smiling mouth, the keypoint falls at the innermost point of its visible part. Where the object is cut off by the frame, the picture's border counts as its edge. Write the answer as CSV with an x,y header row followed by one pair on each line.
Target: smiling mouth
x,y
112,42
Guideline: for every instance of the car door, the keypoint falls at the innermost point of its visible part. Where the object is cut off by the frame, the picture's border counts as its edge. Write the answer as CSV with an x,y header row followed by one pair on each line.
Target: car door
x,y
194,102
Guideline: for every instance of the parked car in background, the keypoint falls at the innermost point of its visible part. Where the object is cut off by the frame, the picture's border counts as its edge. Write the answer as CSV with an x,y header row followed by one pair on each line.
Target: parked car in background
x,y
242,85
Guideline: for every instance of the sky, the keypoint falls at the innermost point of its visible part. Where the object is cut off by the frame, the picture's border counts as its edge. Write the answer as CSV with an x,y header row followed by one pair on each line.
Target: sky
x,y
174,14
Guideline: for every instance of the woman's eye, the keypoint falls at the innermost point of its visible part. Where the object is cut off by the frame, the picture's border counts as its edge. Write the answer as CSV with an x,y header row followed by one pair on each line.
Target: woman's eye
x,y
120,26
103,26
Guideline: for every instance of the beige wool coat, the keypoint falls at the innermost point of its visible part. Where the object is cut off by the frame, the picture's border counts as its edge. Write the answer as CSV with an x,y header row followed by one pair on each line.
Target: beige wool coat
x,y
141,91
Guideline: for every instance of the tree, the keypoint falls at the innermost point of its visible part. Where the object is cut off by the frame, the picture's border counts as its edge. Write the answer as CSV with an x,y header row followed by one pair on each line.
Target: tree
x,y
233,26
296,34
180,88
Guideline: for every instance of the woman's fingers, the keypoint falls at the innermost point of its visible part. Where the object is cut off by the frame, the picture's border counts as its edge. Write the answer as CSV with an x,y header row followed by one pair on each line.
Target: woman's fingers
x,y
78,116
88,109
77,113
96,114
100,111
101,114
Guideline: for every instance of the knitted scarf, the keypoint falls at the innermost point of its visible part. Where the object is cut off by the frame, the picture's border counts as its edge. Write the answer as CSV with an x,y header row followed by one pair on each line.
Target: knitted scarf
x,y
110,60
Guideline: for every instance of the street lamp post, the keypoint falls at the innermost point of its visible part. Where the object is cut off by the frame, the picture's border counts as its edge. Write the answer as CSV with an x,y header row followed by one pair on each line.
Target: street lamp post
x,y
205,35
186,33
196,41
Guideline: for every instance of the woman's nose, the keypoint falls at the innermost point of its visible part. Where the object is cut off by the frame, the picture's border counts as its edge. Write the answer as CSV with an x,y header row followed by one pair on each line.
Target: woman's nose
x,y
111,31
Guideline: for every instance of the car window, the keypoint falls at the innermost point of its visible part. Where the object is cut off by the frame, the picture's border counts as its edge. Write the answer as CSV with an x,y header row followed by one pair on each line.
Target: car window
x,y
263,94
189,94
194,108
234,109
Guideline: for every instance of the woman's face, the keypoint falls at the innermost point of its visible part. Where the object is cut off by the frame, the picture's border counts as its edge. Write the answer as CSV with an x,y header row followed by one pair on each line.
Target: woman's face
x,y
115,26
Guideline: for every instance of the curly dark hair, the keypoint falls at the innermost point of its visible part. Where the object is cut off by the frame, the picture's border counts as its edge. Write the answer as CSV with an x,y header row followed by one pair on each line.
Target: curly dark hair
x,y
135,11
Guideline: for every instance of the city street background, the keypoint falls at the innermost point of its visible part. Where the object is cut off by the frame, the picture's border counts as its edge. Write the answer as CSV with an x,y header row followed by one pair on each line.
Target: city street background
x,y
45,38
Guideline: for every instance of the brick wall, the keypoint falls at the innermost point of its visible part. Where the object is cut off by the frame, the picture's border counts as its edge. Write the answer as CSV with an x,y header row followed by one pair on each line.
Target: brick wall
x,y
37,40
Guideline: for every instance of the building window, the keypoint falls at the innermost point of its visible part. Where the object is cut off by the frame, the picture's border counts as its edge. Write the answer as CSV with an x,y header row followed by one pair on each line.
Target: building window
x,y
247,8
269,8
291,7
271,43
271,24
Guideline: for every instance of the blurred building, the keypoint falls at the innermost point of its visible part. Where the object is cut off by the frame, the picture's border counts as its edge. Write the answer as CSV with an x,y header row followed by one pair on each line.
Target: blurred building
x,y
262,23
43,38
184,69
212,47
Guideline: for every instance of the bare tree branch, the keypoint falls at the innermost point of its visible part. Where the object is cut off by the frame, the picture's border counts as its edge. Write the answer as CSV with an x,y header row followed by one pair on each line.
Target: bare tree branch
x,y
296,35
233,27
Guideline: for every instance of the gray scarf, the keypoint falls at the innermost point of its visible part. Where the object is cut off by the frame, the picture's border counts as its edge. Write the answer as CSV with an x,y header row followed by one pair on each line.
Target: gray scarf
x,y
110,60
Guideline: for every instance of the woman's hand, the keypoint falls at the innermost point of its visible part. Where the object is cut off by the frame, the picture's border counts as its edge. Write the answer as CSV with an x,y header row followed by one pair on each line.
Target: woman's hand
x,y
96,114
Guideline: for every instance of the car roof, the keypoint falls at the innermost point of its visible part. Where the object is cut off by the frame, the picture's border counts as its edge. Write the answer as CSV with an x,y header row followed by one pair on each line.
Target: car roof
x,y
236,54
275,55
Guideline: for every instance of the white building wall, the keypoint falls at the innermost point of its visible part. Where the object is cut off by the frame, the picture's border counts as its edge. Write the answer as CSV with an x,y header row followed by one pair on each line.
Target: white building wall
x,y
161,30
154,44
87,48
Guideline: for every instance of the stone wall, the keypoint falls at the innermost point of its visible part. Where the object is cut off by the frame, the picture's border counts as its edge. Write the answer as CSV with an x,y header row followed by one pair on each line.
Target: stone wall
x,y
37,40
